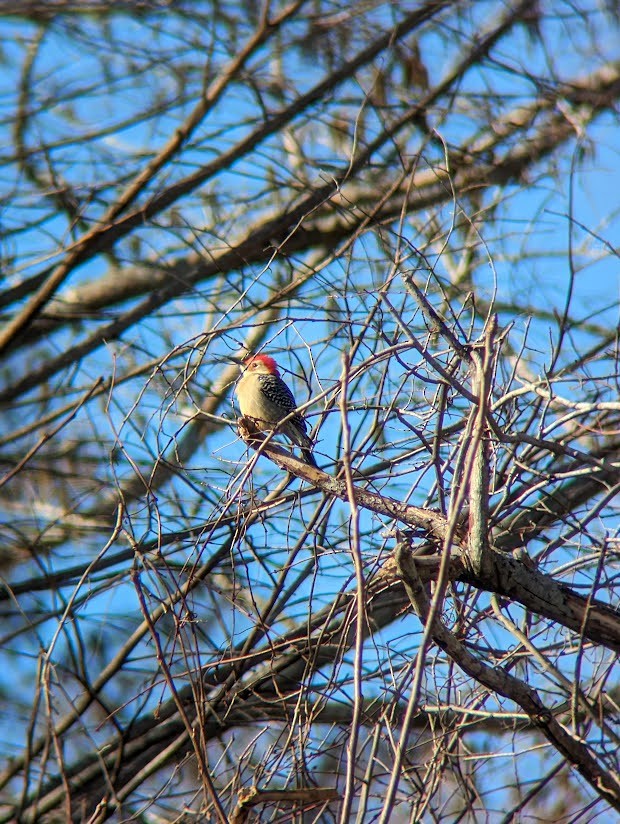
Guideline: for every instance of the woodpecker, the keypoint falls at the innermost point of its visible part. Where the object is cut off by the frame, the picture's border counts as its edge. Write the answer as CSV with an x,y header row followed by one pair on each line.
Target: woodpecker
x,y
264,397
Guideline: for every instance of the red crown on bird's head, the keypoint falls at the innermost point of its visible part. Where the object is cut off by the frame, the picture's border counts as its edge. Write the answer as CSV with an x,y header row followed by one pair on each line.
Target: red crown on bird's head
x,y
271,365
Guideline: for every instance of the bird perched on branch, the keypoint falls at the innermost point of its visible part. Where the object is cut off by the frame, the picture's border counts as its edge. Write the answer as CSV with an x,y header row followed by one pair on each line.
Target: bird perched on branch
x,y
266,399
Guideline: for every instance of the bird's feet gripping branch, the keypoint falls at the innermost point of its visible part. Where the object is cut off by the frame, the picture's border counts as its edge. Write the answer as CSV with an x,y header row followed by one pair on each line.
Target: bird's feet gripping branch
x,y
268,402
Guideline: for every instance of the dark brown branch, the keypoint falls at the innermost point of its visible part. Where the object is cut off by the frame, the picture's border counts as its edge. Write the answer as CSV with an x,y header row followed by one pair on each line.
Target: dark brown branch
x,y
604,782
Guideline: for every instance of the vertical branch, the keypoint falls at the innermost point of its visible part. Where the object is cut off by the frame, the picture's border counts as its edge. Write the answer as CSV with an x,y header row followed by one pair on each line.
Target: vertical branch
x,y
360,599
419,600
478,457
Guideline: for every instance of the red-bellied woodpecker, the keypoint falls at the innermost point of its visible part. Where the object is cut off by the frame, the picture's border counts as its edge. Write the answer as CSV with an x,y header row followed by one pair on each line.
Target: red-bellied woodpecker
x,y
264,397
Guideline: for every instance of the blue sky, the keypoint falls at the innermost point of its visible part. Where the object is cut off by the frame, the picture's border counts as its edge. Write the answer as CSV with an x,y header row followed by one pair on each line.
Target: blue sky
x,y
527,243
